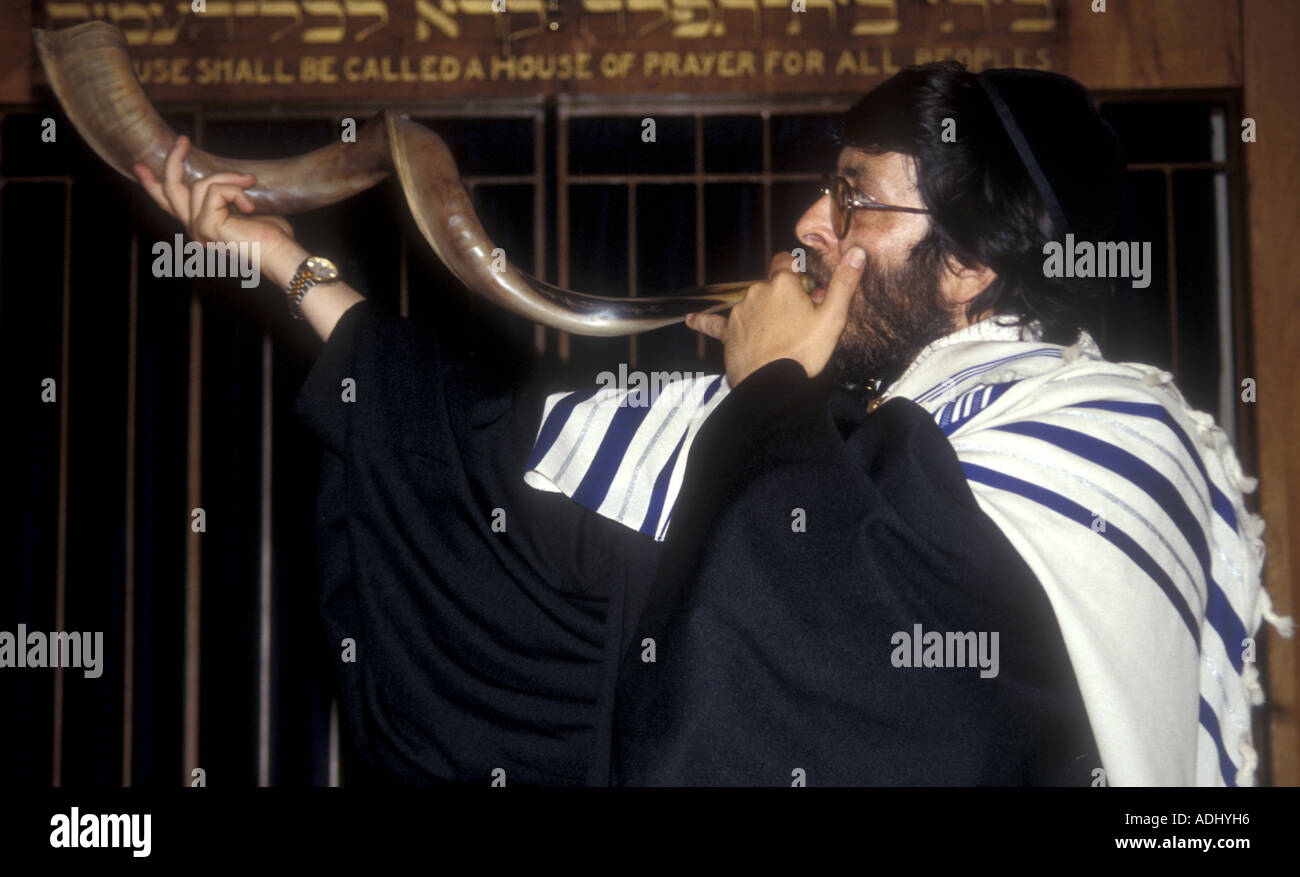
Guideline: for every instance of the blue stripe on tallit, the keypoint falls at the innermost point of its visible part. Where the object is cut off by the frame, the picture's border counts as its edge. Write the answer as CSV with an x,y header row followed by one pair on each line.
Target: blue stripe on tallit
x,y
976,400
1210,722
1221,503
971,371
1218,611
554,424
1077,513
713,388
661,483
615,439
604,466
660,492
1072,510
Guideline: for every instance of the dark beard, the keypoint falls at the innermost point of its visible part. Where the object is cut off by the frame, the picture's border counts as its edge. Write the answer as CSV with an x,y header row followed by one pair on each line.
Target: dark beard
x,y
895,314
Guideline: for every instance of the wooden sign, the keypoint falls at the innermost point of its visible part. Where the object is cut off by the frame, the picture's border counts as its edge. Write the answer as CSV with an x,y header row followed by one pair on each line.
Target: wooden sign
x,y
284,49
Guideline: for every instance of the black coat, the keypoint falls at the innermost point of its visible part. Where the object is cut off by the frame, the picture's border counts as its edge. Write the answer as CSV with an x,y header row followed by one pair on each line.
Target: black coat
x,y
483,650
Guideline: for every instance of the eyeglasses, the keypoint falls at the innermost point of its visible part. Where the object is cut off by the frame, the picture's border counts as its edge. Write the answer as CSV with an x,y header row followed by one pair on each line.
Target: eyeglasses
x,y
844,200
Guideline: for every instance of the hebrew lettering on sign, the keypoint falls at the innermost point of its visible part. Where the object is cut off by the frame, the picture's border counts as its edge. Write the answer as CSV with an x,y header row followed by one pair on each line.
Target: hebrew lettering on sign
x,y
330,22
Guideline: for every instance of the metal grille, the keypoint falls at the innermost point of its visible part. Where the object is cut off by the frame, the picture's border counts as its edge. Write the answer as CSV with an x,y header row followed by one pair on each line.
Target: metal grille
x,y
700,179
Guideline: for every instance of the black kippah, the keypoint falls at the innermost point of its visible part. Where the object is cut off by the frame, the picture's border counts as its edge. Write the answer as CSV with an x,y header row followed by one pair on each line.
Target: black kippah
x,y
1070,152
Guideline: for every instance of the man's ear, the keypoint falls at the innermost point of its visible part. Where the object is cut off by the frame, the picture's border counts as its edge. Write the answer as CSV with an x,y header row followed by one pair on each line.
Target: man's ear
x,y
960,283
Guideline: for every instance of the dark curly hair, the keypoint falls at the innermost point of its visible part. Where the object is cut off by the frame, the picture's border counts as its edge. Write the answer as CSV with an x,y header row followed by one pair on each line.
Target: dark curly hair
x,y
986,209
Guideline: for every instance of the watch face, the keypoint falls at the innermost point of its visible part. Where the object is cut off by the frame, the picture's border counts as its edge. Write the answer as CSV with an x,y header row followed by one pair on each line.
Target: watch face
x,y
323,269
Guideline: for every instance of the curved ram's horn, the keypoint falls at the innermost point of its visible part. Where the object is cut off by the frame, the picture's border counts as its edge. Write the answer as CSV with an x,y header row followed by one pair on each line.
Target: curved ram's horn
x,y
89,68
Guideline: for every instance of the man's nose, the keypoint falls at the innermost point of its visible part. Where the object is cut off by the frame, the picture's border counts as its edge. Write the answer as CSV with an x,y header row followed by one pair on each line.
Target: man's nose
x,y
816,229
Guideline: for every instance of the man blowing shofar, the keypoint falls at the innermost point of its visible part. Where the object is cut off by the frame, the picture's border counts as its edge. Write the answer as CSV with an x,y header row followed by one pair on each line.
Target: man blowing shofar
x,y
715,588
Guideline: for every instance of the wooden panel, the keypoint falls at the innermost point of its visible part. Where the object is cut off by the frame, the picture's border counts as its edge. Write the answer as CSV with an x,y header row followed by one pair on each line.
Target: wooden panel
x,y
1271,95
16,55
397,50
1155,43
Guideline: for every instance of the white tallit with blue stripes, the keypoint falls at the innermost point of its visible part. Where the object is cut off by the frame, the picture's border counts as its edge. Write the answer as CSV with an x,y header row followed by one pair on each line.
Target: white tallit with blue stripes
x,y
1125,503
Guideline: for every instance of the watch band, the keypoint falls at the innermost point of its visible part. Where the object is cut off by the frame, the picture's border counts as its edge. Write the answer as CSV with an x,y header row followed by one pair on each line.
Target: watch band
x,y
297,289
305,278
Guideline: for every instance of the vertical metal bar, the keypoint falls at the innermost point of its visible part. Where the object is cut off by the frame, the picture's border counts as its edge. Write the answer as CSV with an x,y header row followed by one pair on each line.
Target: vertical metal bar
x,y
471,302
1243,343
631,264
193,548
539,216
61,539
767,183
1223,275
264,580
1103,324
193,490
699,219
128,552
562,213
403,285
334,744
1171,260
2,200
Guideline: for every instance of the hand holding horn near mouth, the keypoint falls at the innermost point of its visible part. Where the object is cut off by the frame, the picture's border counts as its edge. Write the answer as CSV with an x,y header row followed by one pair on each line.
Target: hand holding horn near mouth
x,y
89,69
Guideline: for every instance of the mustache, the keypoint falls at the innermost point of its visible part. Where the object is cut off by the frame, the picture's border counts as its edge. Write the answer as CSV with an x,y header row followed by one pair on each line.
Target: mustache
x,y
817,267
818,270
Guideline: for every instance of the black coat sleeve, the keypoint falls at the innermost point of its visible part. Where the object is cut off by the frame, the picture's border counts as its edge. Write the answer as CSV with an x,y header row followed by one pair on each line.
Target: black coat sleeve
x,y
775,645
475,604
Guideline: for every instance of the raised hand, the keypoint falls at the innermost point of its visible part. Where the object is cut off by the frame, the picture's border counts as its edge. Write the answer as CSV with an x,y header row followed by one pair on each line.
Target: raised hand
x,y
204,206
779,319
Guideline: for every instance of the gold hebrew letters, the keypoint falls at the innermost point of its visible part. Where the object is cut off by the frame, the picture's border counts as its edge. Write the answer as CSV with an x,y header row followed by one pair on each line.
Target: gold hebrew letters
x,y
331,22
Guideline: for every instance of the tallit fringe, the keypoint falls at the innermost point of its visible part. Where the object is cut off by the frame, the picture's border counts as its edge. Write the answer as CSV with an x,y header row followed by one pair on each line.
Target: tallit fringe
x,y
1283,624
1250,676
1249,761
1252,526
1245,687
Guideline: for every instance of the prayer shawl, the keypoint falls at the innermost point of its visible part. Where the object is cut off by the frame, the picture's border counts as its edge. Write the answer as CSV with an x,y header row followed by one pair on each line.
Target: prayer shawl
x,y
1124,502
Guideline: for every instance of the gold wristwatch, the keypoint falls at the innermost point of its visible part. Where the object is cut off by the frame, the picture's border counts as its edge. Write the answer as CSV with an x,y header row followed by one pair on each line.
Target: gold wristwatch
x,y
312,271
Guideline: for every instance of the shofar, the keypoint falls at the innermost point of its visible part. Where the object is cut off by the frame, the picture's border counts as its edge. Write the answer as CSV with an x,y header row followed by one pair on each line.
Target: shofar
x,y
89,68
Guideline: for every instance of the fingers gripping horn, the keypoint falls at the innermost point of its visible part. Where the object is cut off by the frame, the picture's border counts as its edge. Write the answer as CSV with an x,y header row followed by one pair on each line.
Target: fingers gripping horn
x,y
89,69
